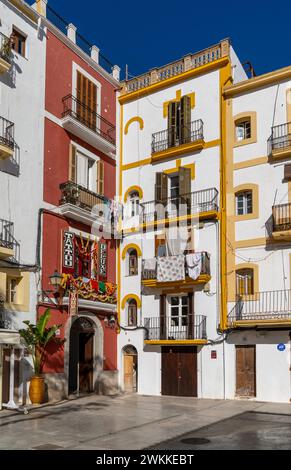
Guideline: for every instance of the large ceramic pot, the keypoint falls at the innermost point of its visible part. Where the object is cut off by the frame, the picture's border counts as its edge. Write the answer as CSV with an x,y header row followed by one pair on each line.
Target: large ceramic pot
x,y
37,390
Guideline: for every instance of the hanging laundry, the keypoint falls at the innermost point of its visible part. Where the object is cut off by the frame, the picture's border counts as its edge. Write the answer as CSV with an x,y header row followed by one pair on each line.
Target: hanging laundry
x,y
194,265
171,268
150,264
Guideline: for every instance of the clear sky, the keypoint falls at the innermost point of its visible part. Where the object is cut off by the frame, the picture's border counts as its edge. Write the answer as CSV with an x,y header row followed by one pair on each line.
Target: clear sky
x,y
145,34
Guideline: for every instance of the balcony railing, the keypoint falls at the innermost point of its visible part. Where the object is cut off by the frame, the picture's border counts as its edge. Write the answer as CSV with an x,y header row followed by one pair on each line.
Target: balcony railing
x,y
197,202
268,305
281,217
180,135
177,67
5,48
7,239
188,327
148,274
77,195
7,133
89,118
280,137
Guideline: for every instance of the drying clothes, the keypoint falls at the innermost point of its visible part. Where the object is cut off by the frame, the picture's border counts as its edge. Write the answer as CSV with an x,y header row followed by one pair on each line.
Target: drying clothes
x,y
150,264
194,265
171,268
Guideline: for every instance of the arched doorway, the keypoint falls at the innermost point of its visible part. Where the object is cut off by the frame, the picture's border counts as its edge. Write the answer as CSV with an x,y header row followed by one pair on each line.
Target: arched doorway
x,y
130,369
81,356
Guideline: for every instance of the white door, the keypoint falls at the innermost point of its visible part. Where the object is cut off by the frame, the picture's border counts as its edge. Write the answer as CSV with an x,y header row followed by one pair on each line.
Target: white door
x,y
178,317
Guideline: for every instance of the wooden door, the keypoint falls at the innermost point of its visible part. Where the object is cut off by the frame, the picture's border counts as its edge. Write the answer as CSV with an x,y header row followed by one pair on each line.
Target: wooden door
x,y
179,371
128,373
86,101
86,362
246,371
6,375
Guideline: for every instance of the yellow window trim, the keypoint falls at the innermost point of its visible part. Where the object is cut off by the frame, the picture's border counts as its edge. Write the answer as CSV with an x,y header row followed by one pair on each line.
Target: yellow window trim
x,y
252,115
134,119
132,189
131,296
250,163
131,246
176,100
255,194
255,269
23,289
190,166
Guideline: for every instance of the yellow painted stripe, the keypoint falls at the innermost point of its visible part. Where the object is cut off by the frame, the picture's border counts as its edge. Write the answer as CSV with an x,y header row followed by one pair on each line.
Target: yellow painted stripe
x,y
176,342
250,163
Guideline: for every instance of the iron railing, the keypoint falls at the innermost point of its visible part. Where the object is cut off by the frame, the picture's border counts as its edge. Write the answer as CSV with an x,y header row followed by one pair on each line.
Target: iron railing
x,y
7,133
152,273
175,328
5,48
73,193
6,234
281,217
89,118
177,67
280,137
176,136
268,305
197,202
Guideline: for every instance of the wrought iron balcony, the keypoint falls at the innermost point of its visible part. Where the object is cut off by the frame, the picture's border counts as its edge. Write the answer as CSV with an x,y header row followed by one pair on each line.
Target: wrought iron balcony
x,y
6,138
188,327
198,202
273,306
151,274
280,139
73,193
8,245
177,136
5,53
281,217
74,108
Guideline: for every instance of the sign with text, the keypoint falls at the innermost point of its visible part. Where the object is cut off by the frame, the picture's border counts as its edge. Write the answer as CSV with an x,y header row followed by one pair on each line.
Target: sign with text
x,y
68,250
73,302
103,260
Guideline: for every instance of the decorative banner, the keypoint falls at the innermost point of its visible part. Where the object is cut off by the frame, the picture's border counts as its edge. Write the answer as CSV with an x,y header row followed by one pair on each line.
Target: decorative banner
x,y
103,260
73,302
68,257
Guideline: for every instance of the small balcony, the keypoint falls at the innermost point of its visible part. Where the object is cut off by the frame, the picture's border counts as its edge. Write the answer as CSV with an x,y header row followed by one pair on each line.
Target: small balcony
x,y
175,330
203,204
89,126
7,240
269,308
280,141
178,140
5,52
82,205
154,277
6,138
281,215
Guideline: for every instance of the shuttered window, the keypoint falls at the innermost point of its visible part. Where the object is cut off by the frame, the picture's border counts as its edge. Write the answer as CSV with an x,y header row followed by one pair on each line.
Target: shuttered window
x,y
132,312
100,177
179,121
161,187
87,101
245,282
185,119
132,263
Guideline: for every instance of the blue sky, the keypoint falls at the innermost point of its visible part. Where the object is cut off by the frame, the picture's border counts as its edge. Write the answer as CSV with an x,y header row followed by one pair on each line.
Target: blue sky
x,y
153,33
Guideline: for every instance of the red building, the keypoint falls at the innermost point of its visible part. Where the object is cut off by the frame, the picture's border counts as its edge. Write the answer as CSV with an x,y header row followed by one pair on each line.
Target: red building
x,y
79,211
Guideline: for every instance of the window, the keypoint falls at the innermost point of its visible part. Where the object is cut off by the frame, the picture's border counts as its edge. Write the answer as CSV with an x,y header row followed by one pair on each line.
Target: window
x,y
83,170
245,282
179,121
134,204
18,42
179,311
132,312
87,101
132,262
244,203
100,177
11,290
243,130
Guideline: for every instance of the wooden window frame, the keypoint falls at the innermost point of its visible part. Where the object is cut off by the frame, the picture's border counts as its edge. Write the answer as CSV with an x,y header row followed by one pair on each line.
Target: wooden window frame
x,y
131,304
250,116
248,187
20,38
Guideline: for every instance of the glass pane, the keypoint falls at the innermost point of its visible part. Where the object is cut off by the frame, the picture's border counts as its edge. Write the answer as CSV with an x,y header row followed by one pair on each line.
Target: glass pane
x,y
184,311
175,321
184,321
239,132
184,300
174,300
249,202
174,311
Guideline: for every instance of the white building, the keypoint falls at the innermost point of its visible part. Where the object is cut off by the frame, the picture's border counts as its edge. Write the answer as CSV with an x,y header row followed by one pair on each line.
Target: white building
x,y
258,282
170,162
22,74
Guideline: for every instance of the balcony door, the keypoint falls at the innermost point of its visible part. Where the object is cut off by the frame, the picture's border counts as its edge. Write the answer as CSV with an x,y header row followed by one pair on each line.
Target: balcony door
x,y
178,321
86,101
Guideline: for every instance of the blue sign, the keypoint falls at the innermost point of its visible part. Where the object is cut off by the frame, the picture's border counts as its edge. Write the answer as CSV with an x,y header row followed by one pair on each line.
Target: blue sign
x,y
281,347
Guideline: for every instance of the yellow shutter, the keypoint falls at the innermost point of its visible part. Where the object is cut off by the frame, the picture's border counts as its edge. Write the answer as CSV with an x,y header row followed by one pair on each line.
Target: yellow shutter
x,y
73,164
100,177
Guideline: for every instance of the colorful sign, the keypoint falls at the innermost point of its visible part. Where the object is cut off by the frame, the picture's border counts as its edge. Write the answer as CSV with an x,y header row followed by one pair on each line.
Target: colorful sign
x,y
103,260
68,250
73,302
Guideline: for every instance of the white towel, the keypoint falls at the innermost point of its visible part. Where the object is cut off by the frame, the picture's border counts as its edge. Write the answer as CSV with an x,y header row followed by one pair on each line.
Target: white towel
x,y
194,265
150,264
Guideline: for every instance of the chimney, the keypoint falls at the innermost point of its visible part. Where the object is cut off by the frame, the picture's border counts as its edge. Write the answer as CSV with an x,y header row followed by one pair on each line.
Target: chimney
x,y
71,32
116,72
95,54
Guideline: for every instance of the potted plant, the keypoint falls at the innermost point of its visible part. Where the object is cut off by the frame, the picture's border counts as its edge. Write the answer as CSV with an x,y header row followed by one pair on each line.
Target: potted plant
x,y
37,337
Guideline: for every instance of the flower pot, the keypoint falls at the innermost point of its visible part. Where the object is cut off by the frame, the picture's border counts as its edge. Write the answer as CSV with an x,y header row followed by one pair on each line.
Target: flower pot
x,y
37,390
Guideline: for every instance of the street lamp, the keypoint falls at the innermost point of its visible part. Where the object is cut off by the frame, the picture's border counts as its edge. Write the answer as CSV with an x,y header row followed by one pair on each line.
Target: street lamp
x,y
55,280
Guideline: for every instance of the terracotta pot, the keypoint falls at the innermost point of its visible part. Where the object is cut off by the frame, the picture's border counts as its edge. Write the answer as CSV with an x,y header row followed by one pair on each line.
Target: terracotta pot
x,y
37,390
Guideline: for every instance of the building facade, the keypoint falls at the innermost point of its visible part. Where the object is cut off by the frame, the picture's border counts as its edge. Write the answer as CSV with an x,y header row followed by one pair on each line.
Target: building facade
x,y
171,181
79,212
258,235
22,72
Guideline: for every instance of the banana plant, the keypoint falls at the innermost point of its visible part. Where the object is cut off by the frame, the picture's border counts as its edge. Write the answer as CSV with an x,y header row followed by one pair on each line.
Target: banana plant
x,y
37,337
